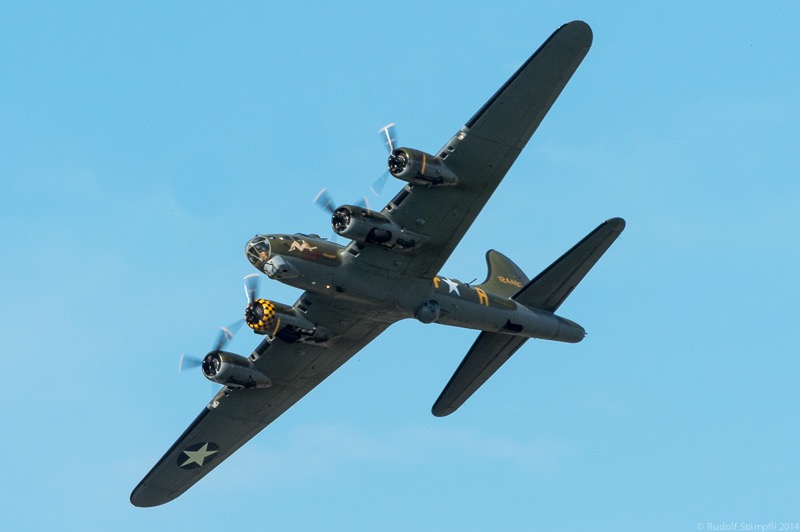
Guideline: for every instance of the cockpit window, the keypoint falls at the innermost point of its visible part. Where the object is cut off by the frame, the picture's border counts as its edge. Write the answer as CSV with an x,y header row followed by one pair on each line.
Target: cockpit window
x,y
258,251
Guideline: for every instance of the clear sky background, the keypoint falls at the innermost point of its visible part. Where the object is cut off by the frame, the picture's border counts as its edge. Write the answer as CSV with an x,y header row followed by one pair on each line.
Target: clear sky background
x,y
141,146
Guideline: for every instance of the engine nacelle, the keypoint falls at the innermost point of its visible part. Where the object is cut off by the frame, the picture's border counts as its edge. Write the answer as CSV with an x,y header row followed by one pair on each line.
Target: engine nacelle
x,y
235,371
362,225
270,317
420,168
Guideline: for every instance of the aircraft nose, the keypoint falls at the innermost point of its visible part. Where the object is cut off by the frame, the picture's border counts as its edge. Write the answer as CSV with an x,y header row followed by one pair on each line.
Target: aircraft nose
x,y
257,250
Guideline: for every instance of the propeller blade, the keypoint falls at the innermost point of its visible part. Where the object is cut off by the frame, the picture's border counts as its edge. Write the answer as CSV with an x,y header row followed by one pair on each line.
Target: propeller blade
x,y
363,202
325,201
323,198
389,136
188,362
377,186
226,335
223,338
251,287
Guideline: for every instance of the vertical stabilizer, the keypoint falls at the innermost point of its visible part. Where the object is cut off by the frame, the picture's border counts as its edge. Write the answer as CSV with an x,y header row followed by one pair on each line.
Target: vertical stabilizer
x,y
504,278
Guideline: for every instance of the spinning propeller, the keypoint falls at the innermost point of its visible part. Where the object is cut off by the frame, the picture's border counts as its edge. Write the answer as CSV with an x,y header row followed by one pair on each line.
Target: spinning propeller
x,y
226,333
389,135
251,287
324,199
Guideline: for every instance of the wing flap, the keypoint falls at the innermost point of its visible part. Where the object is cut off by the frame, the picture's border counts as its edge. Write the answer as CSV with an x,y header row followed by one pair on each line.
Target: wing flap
x,y
487,354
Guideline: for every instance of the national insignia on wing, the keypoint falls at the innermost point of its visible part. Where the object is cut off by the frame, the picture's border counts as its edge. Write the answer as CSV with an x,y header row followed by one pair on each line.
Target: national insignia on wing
x,y
197,455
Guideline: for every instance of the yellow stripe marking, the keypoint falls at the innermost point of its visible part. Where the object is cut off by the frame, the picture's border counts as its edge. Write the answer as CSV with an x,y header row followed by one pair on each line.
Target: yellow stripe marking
x,y
483,299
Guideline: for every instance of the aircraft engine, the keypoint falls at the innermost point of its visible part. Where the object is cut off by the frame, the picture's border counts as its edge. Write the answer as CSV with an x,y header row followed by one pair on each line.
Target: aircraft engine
x,y
362,225
420,168
272,318
236,371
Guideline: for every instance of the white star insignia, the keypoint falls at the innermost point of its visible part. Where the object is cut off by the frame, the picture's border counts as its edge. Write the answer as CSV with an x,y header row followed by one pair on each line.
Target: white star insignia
x,y
197,457
452,285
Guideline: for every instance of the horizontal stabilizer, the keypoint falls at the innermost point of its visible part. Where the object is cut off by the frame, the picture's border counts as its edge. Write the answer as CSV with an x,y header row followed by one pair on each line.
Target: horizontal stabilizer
x,y
488,353
546,292
551,287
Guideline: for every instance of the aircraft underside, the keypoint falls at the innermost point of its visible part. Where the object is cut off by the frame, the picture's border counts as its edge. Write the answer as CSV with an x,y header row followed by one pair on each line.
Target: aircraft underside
x,y
390,271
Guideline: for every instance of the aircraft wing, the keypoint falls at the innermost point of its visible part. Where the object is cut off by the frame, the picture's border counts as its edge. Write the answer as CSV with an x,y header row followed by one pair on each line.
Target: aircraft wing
x,y
234,416
480,155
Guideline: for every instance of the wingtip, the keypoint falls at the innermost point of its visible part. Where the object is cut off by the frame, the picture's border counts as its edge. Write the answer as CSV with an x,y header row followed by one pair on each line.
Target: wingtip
x,y
439,411
616,223
137,499
143,502
146,496
581,29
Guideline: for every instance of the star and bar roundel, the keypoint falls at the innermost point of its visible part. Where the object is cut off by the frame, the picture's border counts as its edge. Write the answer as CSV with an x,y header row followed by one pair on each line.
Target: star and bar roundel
x,y
198,455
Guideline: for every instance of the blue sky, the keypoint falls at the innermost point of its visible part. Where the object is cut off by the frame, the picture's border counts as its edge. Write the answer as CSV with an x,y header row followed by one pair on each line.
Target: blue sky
x,y
142,146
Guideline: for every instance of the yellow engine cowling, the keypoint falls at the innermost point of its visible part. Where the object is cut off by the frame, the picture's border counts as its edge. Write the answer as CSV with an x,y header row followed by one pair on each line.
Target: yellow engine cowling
x,y
269,317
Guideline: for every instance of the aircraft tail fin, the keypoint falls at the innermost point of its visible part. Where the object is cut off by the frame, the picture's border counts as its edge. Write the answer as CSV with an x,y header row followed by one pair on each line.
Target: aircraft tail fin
x,y
547,291
504,278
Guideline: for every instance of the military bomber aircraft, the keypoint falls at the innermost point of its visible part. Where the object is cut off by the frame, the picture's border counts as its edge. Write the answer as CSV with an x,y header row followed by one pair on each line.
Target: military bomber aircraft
x,y
389,271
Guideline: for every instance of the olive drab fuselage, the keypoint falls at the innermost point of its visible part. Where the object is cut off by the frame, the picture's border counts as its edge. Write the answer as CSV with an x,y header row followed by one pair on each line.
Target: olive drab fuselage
x,y
320,266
